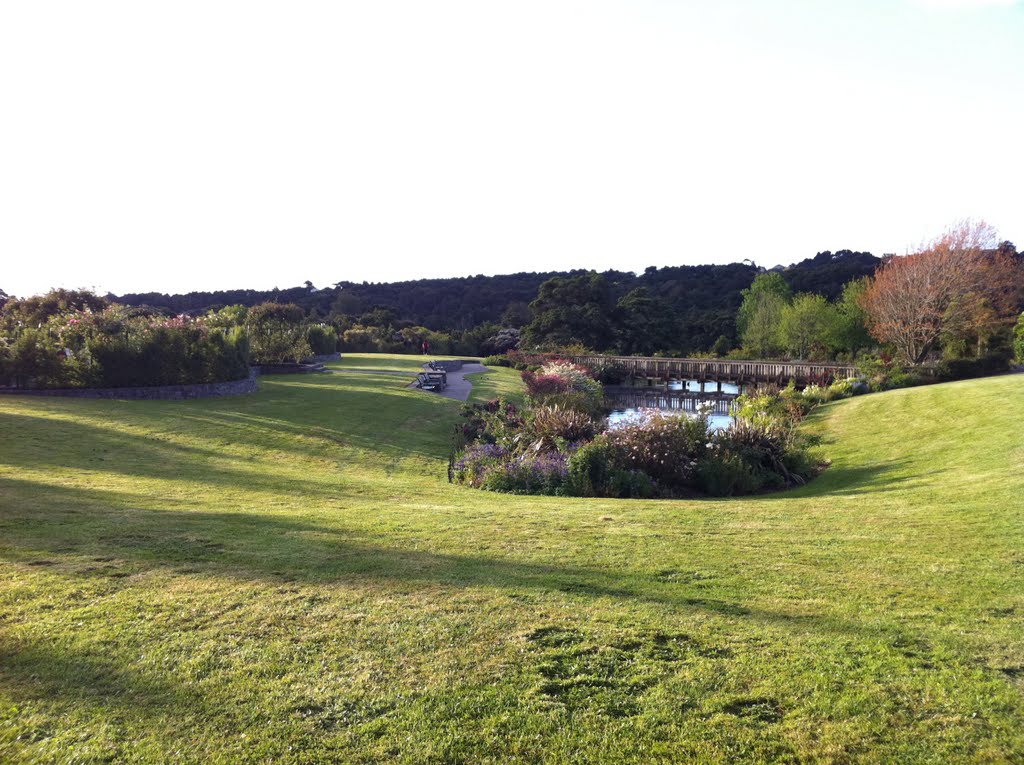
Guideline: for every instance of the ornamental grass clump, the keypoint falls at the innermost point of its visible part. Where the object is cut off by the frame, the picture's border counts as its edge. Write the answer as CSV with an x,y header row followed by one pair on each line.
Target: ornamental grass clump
x,y
550,428
494,422
665,447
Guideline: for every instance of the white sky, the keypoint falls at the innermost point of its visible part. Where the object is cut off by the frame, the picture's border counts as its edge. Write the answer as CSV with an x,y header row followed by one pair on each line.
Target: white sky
x,y
195,145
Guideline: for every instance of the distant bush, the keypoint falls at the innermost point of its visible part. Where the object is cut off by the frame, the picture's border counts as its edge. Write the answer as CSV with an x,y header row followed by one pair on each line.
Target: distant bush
x,y
542,473
322,339
764,448
1018,340
539,384
726,475
498,361
494,422
962,369
594,472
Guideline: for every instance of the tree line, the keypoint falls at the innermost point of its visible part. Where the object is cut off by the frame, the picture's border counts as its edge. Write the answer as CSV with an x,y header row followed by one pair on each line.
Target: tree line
x,y
957,297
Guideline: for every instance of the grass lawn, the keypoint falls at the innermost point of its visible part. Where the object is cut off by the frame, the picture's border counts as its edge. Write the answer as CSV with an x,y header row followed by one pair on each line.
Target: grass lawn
x,y
288,577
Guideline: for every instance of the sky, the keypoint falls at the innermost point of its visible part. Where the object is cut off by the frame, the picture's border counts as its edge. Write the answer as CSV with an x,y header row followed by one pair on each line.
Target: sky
x,y
203,145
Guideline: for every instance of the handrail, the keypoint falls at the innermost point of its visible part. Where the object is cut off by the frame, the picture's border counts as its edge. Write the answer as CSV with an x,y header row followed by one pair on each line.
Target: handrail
x,y
726,369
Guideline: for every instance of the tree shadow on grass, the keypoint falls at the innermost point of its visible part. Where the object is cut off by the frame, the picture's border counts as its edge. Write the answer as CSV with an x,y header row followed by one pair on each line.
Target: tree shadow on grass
x,y
273,549
896,475
184,450
60,673
313,418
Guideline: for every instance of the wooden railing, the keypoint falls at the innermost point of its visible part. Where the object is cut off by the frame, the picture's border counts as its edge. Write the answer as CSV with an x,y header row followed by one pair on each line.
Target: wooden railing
x,y
720,369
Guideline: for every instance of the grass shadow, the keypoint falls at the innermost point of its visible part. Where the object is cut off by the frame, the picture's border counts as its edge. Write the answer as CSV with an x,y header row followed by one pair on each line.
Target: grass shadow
x,y
273,548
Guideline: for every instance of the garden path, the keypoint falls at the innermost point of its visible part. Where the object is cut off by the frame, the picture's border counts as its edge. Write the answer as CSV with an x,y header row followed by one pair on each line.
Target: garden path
x,y
459,387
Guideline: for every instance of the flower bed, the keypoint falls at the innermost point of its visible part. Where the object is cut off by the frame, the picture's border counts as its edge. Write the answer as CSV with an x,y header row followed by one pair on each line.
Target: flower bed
x,y
557,445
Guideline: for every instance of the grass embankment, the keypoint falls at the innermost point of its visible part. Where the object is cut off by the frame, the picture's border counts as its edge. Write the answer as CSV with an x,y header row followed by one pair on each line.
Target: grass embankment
x,y
287,577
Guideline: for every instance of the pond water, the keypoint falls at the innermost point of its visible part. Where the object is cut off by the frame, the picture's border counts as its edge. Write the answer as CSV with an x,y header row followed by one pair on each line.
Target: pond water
x,y
630,404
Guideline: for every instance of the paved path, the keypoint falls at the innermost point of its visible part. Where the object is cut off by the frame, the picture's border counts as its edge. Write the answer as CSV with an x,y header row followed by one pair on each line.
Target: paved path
x,y
459,387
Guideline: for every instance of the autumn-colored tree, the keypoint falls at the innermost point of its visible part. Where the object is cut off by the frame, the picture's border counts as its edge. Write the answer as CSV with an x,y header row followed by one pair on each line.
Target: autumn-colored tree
x,y
957,281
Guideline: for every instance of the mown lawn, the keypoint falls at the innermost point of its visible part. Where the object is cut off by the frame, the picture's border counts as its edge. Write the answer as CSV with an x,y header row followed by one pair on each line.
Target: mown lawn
x,y
288,577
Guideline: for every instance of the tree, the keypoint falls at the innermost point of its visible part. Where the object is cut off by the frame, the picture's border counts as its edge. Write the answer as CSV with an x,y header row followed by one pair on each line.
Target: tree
x,y
911,300
808,326
644,324
277,333
574,311
35,311
517,315
851,330
759,318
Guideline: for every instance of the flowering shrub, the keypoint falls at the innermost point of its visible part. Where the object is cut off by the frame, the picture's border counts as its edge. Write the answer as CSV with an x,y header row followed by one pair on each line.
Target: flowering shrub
x,y
539,384
593,472
567,385
494,468
543,473
119,347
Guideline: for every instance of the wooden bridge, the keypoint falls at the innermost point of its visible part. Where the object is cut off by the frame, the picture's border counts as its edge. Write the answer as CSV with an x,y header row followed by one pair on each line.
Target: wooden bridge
x,y
720,370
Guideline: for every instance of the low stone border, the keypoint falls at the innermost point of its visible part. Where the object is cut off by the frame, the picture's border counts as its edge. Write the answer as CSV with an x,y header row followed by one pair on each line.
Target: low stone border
x,y
450,365
148,393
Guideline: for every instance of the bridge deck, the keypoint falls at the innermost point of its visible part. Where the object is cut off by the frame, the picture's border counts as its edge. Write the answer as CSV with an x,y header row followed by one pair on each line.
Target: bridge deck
x,y
722,370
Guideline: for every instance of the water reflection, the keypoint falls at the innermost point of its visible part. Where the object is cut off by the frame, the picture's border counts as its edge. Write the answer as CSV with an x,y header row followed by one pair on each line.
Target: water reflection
x,y
630,404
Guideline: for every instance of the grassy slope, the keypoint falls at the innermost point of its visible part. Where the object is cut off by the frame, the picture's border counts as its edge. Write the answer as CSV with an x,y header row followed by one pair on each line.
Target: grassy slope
x,y
288,577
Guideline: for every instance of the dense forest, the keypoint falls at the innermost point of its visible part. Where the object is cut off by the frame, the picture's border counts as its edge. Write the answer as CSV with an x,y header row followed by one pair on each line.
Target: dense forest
x,y
702,299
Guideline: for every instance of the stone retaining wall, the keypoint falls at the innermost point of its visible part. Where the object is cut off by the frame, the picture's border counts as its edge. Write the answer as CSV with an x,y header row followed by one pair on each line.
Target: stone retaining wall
x,y
149,393
448,365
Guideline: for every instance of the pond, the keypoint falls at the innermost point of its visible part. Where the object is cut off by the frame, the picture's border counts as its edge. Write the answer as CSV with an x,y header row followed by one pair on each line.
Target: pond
x,y
628,403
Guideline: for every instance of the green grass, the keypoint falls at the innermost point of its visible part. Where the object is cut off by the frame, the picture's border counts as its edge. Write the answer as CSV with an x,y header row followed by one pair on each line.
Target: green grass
x,y
394,362
288,577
